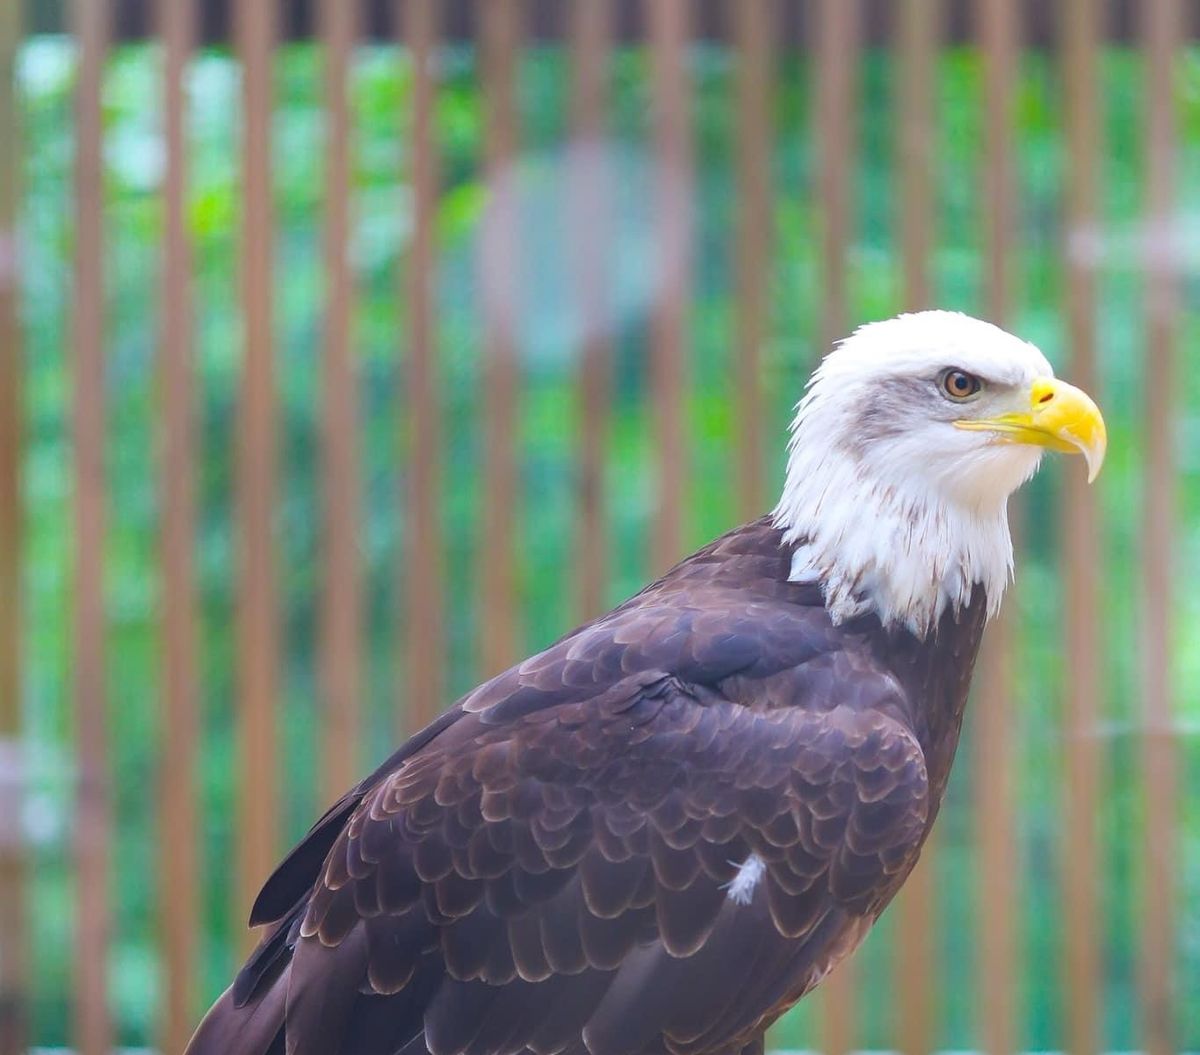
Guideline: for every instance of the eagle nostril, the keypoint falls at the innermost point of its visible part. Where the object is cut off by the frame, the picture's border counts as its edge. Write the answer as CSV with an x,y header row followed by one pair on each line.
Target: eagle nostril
x,y
1045,397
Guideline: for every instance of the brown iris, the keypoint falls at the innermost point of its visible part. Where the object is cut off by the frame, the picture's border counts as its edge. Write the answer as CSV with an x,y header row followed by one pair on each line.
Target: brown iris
x,y
958,384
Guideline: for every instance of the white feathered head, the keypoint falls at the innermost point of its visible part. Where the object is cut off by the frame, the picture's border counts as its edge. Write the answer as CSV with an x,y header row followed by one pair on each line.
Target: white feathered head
x,y
905,448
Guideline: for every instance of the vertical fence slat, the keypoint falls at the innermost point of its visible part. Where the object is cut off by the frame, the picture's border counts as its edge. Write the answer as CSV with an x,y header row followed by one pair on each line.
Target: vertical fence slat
x,y
837,40
93,822
14,995
1161,30
918,25
994,747
424,604
341,620
498,630
754,25
1081,550
178,823
668,29
258,643
591,41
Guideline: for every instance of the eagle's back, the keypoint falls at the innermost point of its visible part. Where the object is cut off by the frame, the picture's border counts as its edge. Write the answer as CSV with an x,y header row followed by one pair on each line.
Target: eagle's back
x,y
653,836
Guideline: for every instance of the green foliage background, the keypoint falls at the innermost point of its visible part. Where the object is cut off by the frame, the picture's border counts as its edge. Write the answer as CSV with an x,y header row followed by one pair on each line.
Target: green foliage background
x,y
549,342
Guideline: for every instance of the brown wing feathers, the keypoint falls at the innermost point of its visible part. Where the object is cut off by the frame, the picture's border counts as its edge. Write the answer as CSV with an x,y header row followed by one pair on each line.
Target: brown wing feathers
x,y
550,871
292,880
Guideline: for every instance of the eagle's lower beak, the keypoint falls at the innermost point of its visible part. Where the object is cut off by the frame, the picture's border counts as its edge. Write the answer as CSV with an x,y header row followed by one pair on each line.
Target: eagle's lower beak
x,y
1060,416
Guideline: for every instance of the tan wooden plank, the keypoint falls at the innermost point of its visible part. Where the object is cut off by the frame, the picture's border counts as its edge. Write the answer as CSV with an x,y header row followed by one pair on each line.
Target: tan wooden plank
x,y
754,31
425,606
1161,28
341,608
179,828
837,37
918,28
997,893
14,963
258,606
93,819
995,743
499,626
1081,549
591,34
668,33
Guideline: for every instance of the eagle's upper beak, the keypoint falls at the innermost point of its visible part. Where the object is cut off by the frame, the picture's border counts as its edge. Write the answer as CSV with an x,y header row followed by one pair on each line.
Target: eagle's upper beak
x,y
1060,416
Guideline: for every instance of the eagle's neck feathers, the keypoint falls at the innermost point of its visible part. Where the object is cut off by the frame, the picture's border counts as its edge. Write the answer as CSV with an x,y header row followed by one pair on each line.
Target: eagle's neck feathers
x,y
898,549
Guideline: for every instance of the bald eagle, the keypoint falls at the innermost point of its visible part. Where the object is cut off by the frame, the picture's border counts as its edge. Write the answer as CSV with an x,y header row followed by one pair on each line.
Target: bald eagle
x,y
659,833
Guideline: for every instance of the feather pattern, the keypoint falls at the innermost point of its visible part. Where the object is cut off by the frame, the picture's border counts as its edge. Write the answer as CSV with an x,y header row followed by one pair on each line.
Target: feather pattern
x,y
548,869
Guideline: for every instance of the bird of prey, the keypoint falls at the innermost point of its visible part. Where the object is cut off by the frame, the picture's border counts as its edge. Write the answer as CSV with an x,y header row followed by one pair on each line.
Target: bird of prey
x,y
659,833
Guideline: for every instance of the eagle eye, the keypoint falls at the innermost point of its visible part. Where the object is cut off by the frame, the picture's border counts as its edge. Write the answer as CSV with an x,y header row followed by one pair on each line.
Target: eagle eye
x,y
959,385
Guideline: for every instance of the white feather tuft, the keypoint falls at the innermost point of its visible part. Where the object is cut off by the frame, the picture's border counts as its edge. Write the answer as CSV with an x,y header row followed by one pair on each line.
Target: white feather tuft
x,y
740,889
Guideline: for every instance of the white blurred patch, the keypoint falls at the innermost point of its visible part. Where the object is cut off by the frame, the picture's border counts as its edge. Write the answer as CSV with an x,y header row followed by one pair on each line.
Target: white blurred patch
x,y
740,889
565,248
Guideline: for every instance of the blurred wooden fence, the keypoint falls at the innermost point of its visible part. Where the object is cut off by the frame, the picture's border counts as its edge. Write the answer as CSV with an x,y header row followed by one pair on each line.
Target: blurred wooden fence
x,y
837,29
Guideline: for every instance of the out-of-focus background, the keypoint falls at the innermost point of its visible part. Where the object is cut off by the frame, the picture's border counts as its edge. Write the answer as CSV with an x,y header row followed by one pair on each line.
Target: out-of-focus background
x,y
349,352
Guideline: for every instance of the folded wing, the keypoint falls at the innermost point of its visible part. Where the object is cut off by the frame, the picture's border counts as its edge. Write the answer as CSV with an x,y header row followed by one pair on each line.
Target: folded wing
x,y
654,868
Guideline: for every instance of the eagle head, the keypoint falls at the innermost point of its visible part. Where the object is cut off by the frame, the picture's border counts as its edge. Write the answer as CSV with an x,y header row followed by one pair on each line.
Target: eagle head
x,y
911,436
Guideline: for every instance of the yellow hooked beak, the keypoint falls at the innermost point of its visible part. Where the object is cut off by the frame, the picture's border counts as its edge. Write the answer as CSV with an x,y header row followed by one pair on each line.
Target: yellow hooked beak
x,y
1060,417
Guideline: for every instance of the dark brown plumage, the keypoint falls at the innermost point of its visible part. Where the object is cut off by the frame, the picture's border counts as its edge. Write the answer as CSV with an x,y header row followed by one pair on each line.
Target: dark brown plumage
x,y
550,867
